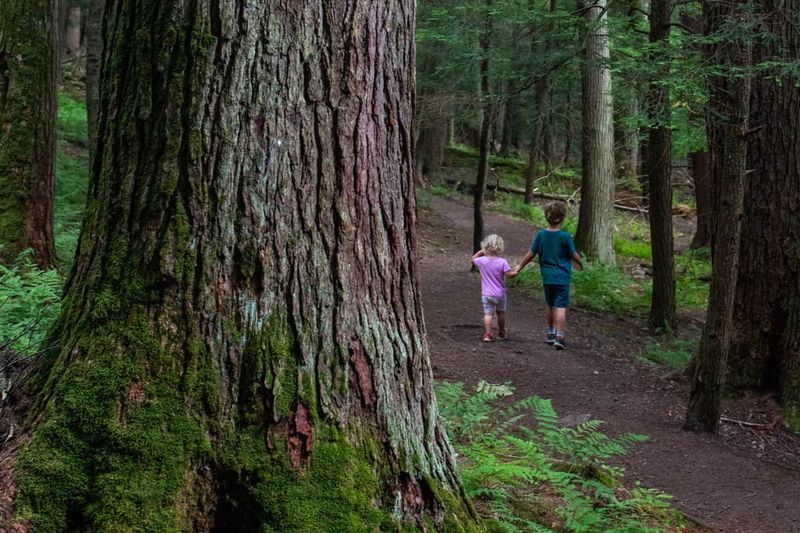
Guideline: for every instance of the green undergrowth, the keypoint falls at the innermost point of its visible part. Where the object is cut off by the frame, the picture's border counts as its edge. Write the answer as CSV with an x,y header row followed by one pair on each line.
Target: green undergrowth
x,y
671,351
527,472
72,176
30,300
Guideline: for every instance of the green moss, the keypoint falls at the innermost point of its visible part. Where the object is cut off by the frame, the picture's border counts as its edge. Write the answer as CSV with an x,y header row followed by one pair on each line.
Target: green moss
x,y
114,449
335,494
792,415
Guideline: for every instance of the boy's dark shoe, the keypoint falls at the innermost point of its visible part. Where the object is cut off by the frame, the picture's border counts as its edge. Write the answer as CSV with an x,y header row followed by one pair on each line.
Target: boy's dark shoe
x,y
551,338
560,343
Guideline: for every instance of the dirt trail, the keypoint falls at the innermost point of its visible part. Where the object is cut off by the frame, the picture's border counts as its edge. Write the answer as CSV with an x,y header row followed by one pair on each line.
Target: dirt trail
x,y
599,376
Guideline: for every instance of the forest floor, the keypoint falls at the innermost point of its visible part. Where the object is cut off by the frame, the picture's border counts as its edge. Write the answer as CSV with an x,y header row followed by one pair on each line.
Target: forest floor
x,y
745,480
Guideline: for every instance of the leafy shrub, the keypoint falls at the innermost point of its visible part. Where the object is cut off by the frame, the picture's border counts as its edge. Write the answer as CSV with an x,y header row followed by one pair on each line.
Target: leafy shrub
x,y
29,302
524,479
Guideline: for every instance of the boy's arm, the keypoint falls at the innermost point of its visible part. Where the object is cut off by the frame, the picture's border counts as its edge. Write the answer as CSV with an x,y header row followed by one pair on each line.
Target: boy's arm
x,y
578,262
522,264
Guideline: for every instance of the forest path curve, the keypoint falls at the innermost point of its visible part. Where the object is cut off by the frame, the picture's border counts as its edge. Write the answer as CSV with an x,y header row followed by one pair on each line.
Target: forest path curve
x,y
598,376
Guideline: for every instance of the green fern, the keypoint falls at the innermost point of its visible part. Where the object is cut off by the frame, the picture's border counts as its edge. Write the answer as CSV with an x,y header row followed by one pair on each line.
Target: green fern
x,y
29,302
544,477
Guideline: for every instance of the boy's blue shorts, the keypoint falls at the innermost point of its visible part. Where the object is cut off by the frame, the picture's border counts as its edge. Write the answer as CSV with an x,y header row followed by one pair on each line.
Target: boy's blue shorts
x,y
556,295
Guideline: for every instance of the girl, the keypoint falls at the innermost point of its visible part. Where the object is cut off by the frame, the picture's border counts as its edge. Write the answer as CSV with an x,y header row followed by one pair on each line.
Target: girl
x,y
494,269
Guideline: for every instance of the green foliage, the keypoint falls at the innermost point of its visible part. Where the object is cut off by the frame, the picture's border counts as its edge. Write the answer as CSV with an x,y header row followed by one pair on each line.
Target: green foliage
x,y
72,176
30,300
672,352
551,476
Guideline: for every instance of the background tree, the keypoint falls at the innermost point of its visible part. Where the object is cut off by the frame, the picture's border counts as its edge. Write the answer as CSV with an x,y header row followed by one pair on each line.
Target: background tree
x,y
765,348
28,77
486,122
659,170
728,125
241,341
596,219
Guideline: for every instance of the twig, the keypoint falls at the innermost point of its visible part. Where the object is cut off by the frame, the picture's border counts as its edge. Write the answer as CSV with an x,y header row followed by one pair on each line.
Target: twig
x,y
743,422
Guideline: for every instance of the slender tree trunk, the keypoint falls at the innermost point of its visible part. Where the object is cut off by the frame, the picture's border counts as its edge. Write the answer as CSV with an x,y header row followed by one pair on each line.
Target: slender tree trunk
x,y
701,174
596,217
541,99
487,115
569,127
727,123
629,158
242,345
509,129
94,58
542,118
28,77
662,307
765,349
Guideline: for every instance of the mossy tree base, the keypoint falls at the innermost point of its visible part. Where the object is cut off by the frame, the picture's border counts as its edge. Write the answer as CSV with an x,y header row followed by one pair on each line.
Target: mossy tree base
x,y
241,339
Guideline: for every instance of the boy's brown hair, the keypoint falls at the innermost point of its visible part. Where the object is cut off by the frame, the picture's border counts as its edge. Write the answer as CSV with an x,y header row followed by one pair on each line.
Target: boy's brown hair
x,y
555,212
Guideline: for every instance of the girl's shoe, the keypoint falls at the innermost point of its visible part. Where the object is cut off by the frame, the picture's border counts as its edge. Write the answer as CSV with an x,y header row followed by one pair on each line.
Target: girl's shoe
x,y
501,335
487,337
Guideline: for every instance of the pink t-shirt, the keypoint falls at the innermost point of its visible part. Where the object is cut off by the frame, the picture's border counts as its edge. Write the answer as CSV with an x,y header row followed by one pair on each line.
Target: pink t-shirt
x,y
493,279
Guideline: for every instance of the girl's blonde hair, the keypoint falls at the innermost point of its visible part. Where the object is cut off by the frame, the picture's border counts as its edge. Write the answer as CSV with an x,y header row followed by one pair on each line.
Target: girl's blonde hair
x,y
492,245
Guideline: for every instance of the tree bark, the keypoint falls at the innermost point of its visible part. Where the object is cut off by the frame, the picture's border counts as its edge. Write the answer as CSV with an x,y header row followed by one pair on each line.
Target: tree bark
x,y
765,348
596,217
727,125
662,307
628,156
703,195
94,58
242,344
28,77
487,116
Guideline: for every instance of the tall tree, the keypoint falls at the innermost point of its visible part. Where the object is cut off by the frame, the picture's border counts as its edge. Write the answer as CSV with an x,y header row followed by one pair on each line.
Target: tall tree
x,y
596,216
703,195
659,173
487,118
241,345
765,349
542,104
28,77
94,57
727,131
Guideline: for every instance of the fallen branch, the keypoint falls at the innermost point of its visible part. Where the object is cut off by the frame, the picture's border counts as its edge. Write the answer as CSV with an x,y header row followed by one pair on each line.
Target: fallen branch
x,y
743,423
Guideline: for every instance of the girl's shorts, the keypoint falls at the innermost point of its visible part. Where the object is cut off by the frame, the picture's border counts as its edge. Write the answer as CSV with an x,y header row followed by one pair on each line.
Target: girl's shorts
x,y
492,303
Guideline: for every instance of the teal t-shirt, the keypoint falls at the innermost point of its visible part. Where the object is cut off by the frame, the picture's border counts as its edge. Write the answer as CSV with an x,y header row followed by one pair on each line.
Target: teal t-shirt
x,y
554,249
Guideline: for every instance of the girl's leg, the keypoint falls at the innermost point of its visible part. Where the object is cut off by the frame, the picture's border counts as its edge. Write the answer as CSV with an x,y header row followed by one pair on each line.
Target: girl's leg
x,y
501,323
487,323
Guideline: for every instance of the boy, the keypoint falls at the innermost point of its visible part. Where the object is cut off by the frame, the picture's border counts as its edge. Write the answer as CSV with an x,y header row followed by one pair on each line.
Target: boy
x,y
494,269
556,251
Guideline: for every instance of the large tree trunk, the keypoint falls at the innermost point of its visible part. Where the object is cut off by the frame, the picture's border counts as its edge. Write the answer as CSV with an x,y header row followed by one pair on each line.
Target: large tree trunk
x,y
662,307
596,216
28,77
703,195
94,58
765,349
242,343
485,142
727,125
